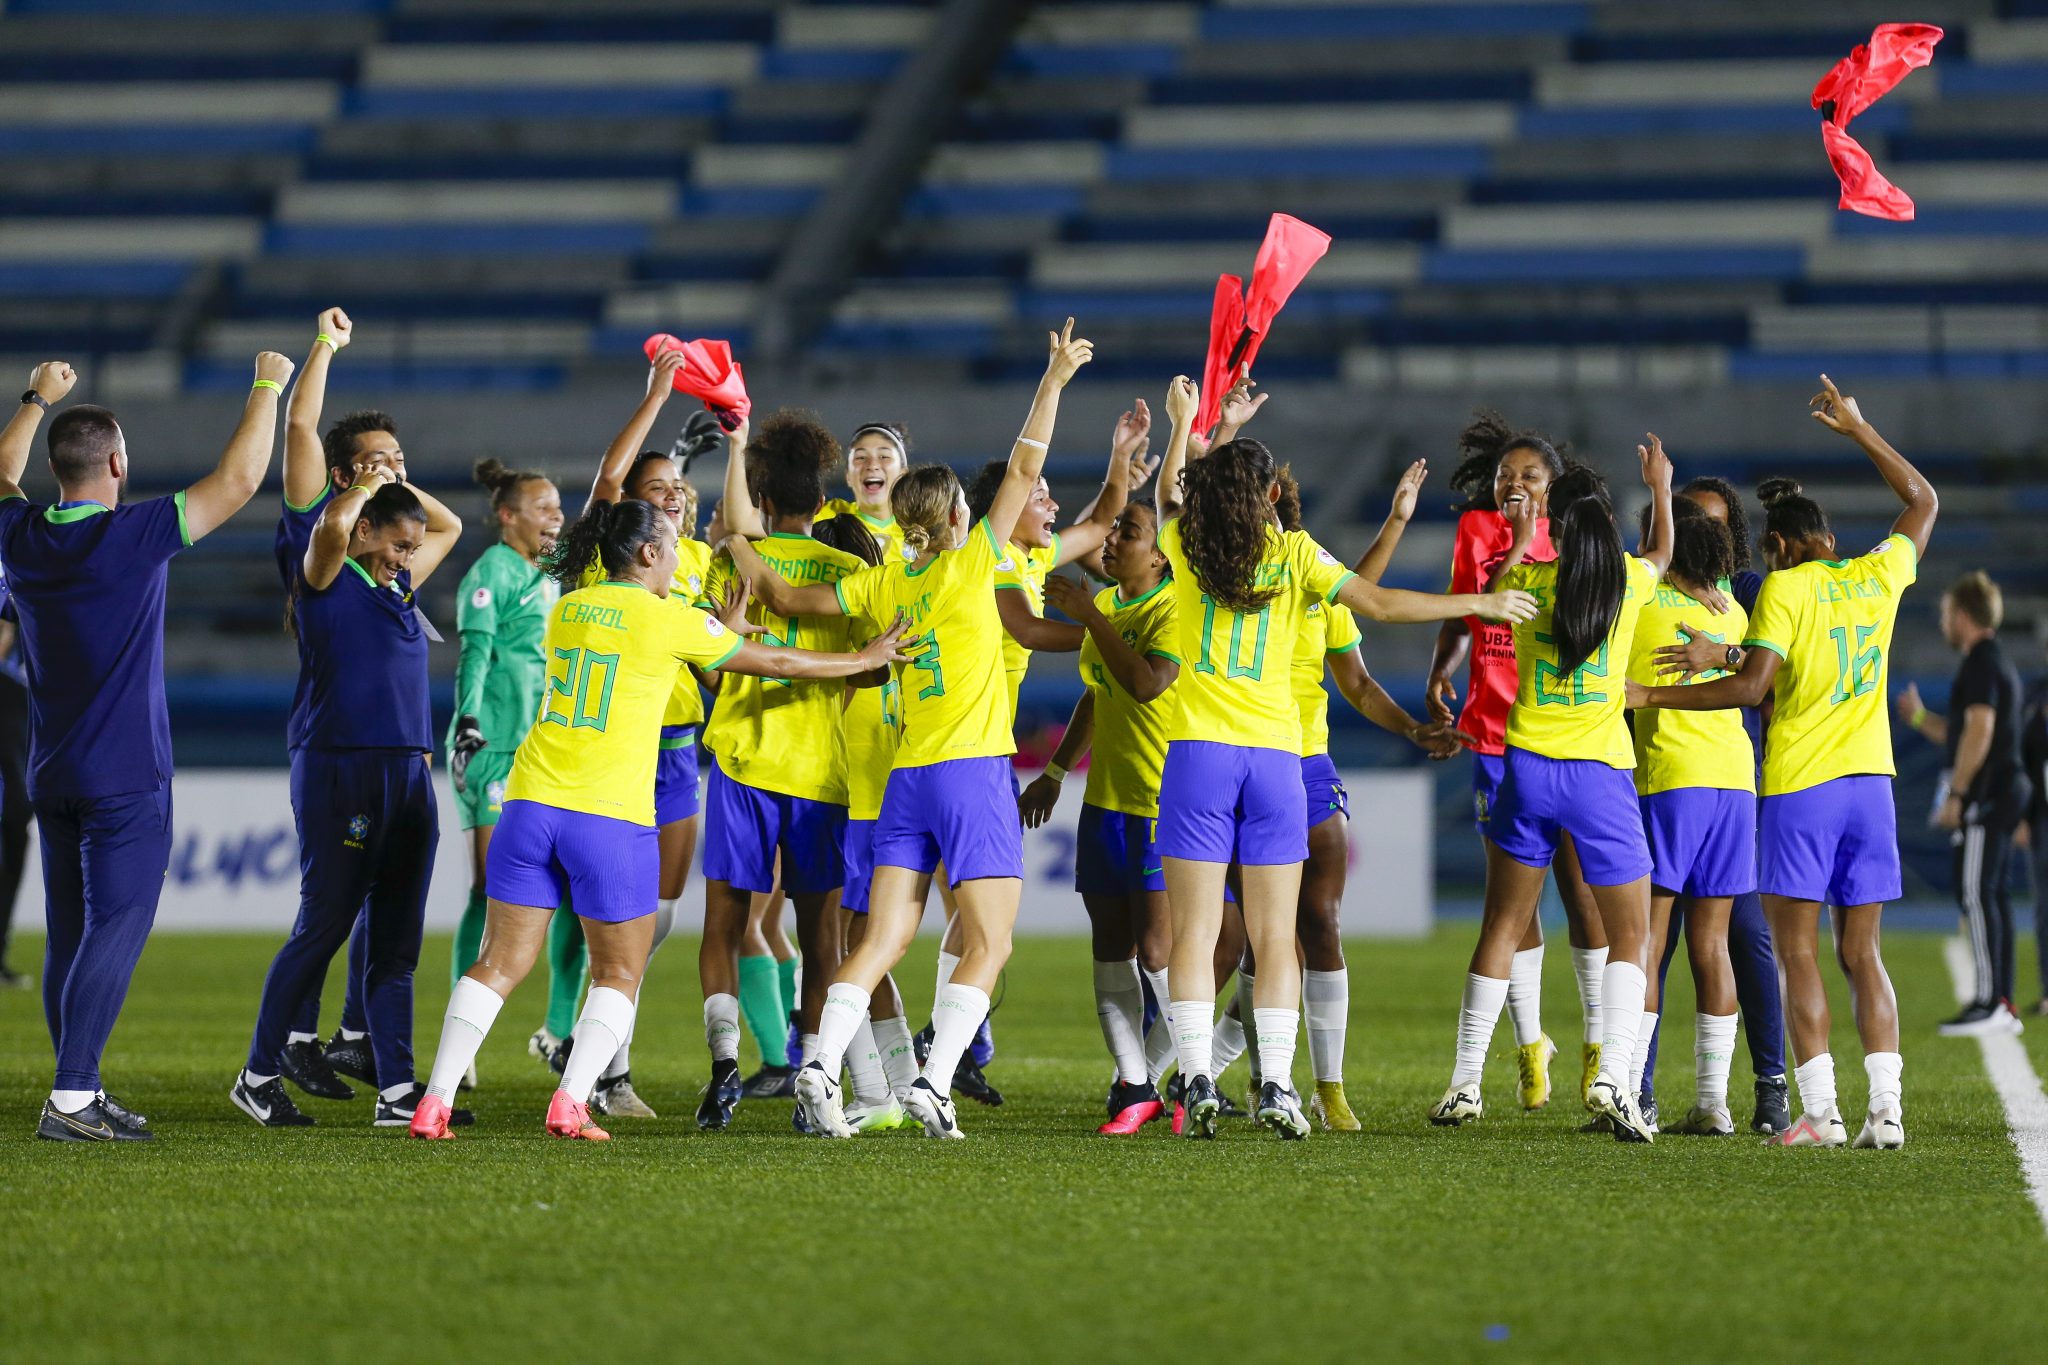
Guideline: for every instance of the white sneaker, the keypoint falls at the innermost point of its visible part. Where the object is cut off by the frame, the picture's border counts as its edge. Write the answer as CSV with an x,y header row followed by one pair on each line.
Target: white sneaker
x,y
1460,1104
2005,1021
1884,1129
618,1099
1702,1121
1815,1130
542,1046
1622,1110
879,1118
933,1110
818,1096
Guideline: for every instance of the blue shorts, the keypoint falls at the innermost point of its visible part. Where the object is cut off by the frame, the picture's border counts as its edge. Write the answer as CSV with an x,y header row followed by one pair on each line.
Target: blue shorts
x,y
1837,843
1488,771
962,812
745,827
1230,803
1116,854
675,775
1326,794
541,855
1702,840
1542,799
858,853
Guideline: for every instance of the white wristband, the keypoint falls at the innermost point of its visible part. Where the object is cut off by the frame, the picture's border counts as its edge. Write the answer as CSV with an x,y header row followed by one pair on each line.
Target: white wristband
x,y
1055,772
1027,441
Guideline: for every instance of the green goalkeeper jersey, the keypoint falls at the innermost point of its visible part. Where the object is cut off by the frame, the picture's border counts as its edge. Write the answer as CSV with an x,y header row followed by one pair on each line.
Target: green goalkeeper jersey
x,y
501,619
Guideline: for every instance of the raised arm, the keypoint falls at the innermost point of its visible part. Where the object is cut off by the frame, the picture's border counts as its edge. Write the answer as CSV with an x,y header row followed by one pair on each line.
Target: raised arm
x,y
1035,803
1127,471
1363,691
780,661
49,381
610,484
1237,410
1027,456
305,463
329,544
742,517
1402,607
777,593
1144,676
444,528
1837,412
1183,398
1656,547
217,497
1380,553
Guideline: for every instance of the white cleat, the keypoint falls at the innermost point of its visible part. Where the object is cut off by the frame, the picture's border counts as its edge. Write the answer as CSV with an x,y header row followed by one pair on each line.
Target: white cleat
x,y
933,1110
618,1099
1280,1110
1622,1110
1460,1104
1700,1121
542,1046
1817,1130
879,1118
818,1096
1884,1130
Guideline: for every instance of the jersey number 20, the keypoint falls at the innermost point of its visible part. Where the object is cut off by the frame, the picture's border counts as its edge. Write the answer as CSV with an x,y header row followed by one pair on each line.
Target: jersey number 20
x,y
585,680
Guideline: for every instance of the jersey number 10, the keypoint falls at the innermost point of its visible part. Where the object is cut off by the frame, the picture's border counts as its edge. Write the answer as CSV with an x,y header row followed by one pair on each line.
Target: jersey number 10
x,y
1231,667
585,679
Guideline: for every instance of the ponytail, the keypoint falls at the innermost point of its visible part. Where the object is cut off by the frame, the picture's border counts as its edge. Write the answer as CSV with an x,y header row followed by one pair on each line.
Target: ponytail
x,y
1225,521
504,482
1590,571
922,503
850,536
608,534
1789,514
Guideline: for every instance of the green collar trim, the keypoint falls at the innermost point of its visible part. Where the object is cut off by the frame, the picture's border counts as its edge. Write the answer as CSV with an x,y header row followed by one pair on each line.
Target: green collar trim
x,y
367,576
786,535
1118,599
60,516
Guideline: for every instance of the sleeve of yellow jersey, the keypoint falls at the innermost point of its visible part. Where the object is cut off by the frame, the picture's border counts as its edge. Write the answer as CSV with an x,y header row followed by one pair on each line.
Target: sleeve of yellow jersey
x,y
860,593
697,637
1893,562
1644,576
1316,569
1775,622
716,579
984,558
1340,629
1162,626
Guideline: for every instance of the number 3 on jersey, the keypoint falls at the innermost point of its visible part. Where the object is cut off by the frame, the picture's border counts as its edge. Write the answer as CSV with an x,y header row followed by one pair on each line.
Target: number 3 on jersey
x,y
927,659
584,677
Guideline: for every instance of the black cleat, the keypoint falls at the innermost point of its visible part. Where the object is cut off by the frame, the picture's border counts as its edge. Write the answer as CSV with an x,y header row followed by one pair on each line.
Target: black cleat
x,y
1773,1106
306,1067
121,1116
268,1103
921,1044
398,1113
94,1123
721,1097
968,1080
1648,1104
797,1121
770,1083
558,1059
1227,1107
1202,1105
352,1058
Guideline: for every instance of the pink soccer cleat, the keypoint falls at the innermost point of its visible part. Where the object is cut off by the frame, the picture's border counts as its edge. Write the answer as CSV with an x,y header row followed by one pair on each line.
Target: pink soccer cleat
x,y
568,1119
430,1118
1130,1120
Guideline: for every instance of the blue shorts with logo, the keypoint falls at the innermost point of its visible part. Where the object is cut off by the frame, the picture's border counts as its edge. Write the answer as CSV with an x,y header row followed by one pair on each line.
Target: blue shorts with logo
x,y
1326,794
962,812
1116,854
541,855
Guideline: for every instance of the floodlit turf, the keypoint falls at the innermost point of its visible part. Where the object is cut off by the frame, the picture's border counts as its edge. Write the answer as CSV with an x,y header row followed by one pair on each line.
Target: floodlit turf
x,y
1516,1238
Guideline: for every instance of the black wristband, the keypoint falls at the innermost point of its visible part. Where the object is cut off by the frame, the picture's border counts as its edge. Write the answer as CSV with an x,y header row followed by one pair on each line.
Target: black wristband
x,y
33,397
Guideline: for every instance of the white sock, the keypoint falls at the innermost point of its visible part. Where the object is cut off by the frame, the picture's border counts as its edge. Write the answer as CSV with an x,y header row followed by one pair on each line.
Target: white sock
x,y
1477,1015
664,922
1525,994
251,1079
472,1009
622,1060
845,1006
1194,1035
1590,966
1622,988
864,1063
956,1014
349,1035
290,1038
1241,1010
1276,1029
1646,1025
1159,1052
1229,1042
71,1101
948,964
722,1026
391,1094
1326,1001
1883,1069
1816,1081
1120,1010
601,1030
1713,1051
807,1044
899,1059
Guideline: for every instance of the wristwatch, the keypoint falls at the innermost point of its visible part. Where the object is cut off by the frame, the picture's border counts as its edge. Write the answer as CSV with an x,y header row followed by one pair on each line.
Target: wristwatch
x,y
1733,658
33,397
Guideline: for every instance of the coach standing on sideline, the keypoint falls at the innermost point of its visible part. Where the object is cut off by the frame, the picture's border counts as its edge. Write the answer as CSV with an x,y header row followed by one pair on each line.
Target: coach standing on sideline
x,y
88,576
1987,791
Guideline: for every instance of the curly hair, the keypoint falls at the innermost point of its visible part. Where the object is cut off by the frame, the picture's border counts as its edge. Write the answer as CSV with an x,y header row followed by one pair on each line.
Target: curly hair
x,y
787,459
1226,521
1288,509
1702,547
1738,513
1481,446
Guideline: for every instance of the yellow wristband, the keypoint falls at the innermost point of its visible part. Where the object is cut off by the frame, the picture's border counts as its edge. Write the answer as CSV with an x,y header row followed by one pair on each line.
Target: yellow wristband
x,y
1919,715
362,488
270,384
328,339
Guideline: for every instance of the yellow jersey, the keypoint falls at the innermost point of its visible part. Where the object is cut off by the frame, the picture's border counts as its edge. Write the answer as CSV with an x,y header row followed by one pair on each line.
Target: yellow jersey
x,y
1129,750
955,702
1327,630
1236,674
613,652
777,734
873,725
1580,715
1831,623
887,531
1687,748
693,569
1025,571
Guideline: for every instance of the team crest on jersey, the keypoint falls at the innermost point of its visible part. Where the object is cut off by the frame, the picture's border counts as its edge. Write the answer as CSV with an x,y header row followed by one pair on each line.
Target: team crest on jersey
x,y
714,626
480,598
358,826
696,583
1324,556
1881,547
1005,564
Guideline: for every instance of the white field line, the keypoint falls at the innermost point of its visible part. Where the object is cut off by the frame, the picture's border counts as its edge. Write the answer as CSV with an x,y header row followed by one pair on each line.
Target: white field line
x,y
2012,1076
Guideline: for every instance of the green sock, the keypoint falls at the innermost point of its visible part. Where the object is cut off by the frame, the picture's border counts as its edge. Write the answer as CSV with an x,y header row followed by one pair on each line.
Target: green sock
x,y
761,1005
786,971
568,966
469,936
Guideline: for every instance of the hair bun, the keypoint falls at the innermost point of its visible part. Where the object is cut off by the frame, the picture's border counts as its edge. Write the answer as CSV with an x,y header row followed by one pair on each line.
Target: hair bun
x,y
492,472
1777,490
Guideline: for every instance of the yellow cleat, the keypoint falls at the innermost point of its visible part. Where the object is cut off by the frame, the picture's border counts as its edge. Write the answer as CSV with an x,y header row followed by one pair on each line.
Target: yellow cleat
x,y
1534,1061
1589,1073
1332,1110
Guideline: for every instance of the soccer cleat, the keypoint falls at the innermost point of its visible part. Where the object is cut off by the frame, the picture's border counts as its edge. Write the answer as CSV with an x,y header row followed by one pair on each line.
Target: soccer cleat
x,y
1773,1106
1280,1110
1533,1062
1203,1104
1131,1107
921,1045
1599,1123
798,1122
933,1110
430,1119
399,1113
568,1119
880,1118
558,1058
267,1103
93,1123
817,1097
2008,1021
615,1098
1822,1130
1459,1105
306,1067
1621,1109
1700,1121
1332,1110
121,1116
770,1083
1589,1071
968,1081
983,1048
1884,1130
541,1047
1647,1104
721,1096
351,1057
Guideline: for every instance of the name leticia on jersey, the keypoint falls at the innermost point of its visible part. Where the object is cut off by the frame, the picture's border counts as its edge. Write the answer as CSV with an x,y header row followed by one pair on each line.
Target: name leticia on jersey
x,y
1845,589
589,613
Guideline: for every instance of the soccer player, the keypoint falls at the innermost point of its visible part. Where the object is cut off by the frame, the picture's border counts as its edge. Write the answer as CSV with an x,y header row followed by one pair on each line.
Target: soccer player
x,y
1231,790
1502,471
579,819
1567,772
950,797
88,578
501,613
1827,831
362,781
876,457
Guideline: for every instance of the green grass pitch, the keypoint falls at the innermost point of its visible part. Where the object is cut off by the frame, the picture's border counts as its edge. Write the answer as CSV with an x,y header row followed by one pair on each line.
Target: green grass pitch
x,y
1035,1239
